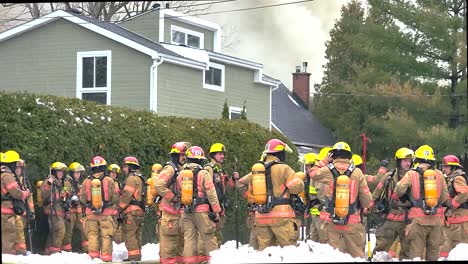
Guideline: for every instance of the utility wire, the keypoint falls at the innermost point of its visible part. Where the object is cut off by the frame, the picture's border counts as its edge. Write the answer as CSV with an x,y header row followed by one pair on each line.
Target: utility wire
x,y
208,13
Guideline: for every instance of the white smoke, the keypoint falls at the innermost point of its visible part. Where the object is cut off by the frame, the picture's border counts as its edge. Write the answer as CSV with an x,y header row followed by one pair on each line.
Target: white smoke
x,y
281,37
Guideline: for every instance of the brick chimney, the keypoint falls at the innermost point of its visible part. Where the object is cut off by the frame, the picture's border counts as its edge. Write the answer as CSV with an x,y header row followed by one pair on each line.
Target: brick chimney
x,y
301,83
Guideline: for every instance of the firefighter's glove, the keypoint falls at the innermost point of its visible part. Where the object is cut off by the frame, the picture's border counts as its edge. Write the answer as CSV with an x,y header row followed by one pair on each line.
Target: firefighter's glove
x,y
213,216
119,219
31,216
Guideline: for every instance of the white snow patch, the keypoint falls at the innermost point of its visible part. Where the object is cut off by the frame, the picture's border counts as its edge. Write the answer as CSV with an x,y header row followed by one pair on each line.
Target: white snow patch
x,y
119,252
38,102
29,114
102,118
86,120
19,109
78,119
150,251
460,252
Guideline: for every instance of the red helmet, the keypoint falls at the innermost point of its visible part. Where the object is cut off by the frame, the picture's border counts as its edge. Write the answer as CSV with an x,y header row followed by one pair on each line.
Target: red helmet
x,y
451,160
195,152
98,161
179,147
131,160
276,145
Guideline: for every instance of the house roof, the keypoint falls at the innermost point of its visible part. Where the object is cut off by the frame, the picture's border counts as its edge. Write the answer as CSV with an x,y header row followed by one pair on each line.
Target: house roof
x,y
110,30
296,122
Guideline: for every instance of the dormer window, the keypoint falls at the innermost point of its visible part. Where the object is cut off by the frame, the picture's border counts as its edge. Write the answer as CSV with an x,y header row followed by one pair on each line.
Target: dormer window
x,y
187,37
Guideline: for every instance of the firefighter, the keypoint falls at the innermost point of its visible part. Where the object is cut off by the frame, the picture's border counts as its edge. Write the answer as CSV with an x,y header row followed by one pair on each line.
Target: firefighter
x,y
346,196
99,197
373,180
457,214
250,220
171,237
156,199
132,206
309,161
274,222
201,207
392,208
53,194
22,221
222,183
319,231
113,171
74,179
12,195
427,191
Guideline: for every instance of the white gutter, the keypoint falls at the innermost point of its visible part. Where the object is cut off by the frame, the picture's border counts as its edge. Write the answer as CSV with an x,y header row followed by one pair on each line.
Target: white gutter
x,y
154,84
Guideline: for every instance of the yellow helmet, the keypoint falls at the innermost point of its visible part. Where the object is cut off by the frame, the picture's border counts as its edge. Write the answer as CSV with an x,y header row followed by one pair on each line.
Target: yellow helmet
x,y
156,167
323,153
357,160
217,147
309,158
341,146
424,152
404,153
114,167
10,157
59,166
75,166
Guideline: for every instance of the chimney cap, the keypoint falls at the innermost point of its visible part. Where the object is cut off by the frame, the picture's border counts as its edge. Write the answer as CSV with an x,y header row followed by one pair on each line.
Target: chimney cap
x,y
167,5
304,65
298,68
156,6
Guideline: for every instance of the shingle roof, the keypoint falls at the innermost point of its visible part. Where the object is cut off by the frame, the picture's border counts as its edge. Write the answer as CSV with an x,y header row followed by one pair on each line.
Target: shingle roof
x,y
296,122
127,34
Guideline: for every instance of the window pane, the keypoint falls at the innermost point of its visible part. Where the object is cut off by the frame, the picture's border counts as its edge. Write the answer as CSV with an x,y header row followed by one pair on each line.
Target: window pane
x,y
101,71
100,98
193,41
217,77
88,72
178,37
209,76
235,115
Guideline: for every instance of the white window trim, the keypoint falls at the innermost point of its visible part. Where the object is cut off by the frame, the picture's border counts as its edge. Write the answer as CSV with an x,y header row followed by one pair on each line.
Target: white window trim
x,y
191,32
211,86
235,109
79,73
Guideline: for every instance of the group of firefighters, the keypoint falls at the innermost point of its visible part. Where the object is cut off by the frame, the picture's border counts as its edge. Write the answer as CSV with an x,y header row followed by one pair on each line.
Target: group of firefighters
x,y
425,210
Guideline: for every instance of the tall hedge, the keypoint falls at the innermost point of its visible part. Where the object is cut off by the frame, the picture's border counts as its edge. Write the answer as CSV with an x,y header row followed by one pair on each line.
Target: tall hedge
x,y
45,129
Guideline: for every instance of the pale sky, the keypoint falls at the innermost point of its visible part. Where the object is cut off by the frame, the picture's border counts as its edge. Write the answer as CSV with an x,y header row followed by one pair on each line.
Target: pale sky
x,y
281,37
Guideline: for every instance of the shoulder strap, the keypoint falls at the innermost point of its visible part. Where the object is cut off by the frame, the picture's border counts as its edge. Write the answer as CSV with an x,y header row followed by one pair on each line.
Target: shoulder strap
x,y
333,170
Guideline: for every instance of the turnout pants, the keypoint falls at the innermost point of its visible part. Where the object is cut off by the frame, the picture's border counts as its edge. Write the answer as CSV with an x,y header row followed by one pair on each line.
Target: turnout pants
x,y
198,226
20,243
387,234
131,231
347,238
8,233
424,238
100,234
284,234
218,234
171,238
56,233
71,224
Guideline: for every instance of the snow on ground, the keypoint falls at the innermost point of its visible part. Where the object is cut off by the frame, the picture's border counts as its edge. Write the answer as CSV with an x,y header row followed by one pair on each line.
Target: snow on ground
x,y
305,252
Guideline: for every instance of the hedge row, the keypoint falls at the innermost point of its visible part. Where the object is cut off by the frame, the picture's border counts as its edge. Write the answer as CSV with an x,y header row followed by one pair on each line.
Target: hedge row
x,y
45,129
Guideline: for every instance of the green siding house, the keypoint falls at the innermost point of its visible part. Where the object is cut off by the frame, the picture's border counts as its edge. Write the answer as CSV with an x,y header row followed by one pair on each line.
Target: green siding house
x,y
160,61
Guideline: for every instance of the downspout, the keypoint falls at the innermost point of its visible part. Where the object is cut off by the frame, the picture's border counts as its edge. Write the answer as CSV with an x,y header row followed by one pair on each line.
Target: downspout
x,y
154,83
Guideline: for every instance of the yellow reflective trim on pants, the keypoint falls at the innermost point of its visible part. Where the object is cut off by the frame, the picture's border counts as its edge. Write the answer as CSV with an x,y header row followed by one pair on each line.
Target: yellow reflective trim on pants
x,y
314,211
312,190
